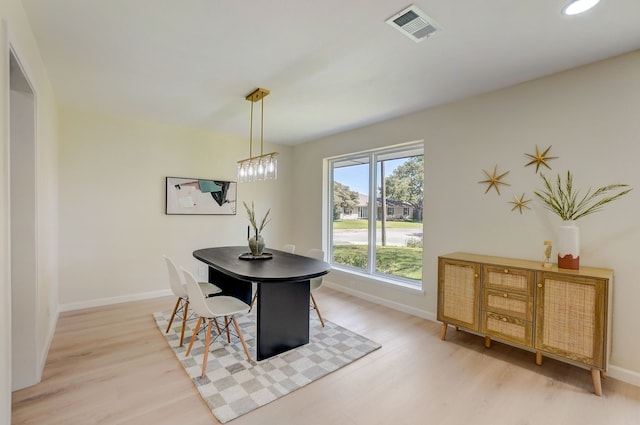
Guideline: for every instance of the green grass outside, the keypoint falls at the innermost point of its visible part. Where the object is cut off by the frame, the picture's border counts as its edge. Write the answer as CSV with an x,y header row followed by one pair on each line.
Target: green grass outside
x,y
394,260
364,224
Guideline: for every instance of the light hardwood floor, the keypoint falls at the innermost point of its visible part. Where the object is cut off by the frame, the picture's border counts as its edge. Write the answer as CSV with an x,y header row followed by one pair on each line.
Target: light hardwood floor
x,y
111,365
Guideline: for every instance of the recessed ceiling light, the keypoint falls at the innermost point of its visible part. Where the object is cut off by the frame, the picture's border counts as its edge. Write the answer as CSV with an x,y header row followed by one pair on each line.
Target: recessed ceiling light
x,y
578,6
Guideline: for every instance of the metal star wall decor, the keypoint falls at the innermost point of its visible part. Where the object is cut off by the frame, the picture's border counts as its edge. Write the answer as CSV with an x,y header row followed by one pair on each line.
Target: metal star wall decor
x,y
494,180
540,158
520,203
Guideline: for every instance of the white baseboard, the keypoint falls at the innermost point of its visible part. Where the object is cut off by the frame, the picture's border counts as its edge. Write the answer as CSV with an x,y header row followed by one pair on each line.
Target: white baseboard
x,y
45,352
625,375
382,301
114,300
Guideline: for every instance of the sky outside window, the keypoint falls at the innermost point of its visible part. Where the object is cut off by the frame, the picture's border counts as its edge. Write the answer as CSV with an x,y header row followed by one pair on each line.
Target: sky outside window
x,y
357,176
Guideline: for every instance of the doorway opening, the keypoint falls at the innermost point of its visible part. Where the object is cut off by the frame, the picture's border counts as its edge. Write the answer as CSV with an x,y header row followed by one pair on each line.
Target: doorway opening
x,y
25,369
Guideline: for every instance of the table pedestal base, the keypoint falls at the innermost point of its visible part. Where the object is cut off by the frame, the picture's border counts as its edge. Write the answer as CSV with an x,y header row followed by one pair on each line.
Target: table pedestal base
x,y
282,311
283,317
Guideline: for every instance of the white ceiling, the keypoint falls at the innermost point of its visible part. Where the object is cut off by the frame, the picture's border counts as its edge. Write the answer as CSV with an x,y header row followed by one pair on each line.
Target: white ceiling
x,y
331,65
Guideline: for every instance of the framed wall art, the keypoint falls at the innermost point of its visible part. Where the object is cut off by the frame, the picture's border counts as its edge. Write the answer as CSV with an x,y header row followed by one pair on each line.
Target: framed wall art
x,y
188,196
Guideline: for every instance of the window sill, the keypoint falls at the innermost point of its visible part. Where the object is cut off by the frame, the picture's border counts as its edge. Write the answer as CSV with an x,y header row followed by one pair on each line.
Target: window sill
x,y
381,280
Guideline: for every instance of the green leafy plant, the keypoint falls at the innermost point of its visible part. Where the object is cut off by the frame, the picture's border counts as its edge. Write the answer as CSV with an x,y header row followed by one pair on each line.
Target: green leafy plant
x,y
251,213
567,203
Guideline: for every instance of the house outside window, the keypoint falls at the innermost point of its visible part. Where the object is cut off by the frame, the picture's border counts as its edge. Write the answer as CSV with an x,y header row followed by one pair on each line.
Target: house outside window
x,y
387,246
363,212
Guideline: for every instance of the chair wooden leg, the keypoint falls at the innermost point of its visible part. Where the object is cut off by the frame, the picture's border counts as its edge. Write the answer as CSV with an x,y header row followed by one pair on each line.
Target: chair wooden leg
x,y
206,349
185,314
315,306
193,337
173,314
226,326
244,344
253,301
215,320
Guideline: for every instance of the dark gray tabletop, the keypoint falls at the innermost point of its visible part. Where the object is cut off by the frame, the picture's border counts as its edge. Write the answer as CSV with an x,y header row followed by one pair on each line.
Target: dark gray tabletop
x,y
283,267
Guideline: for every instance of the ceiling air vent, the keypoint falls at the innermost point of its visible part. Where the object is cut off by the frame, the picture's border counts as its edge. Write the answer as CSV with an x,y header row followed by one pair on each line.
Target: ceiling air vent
x,y
414,23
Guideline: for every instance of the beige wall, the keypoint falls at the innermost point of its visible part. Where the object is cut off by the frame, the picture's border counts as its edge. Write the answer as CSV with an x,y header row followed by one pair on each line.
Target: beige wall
x,y
590,117
113,229
17,33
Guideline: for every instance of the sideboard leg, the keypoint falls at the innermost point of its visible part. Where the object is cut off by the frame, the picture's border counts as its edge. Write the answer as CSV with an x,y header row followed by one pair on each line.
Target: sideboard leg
x,y
443,332
487,341
597,383
538,358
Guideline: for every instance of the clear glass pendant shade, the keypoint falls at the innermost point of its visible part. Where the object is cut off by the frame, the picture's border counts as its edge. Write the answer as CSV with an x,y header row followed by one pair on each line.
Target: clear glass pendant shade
x,y
264,166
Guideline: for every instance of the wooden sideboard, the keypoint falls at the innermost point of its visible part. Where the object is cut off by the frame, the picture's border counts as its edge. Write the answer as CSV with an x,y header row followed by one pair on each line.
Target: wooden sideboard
x,y
559,313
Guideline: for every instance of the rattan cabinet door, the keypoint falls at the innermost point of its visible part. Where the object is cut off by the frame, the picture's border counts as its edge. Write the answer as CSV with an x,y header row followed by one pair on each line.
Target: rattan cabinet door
x,y
459,293
571,317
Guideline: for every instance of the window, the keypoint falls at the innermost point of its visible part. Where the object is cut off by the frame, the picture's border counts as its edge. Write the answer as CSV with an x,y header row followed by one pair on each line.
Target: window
x,y
382,234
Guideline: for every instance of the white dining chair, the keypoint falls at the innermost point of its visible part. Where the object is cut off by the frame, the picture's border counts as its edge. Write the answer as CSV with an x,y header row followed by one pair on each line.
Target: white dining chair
x,y
286,248
316,282
181,309
208,310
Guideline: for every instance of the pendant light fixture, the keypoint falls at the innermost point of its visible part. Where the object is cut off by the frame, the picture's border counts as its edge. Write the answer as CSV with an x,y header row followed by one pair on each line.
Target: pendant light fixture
x,y
265,165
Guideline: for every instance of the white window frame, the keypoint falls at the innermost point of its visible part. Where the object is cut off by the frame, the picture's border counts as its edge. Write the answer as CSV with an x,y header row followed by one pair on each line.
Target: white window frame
x,y
373,157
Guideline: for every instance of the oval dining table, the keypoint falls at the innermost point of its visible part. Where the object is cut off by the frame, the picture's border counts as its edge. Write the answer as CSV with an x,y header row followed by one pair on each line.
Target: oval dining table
x,y
282,282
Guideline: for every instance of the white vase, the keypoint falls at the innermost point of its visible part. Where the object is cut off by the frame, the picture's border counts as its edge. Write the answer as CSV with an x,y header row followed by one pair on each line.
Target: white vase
x,y
569,246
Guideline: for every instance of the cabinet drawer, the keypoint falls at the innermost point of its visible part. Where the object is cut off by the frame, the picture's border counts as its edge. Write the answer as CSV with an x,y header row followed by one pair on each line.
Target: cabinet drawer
x,y
508,303
508,279
508,328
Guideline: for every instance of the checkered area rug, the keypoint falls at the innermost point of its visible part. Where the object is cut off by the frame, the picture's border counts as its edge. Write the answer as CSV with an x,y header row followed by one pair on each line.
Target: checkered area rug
x,y
234,386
